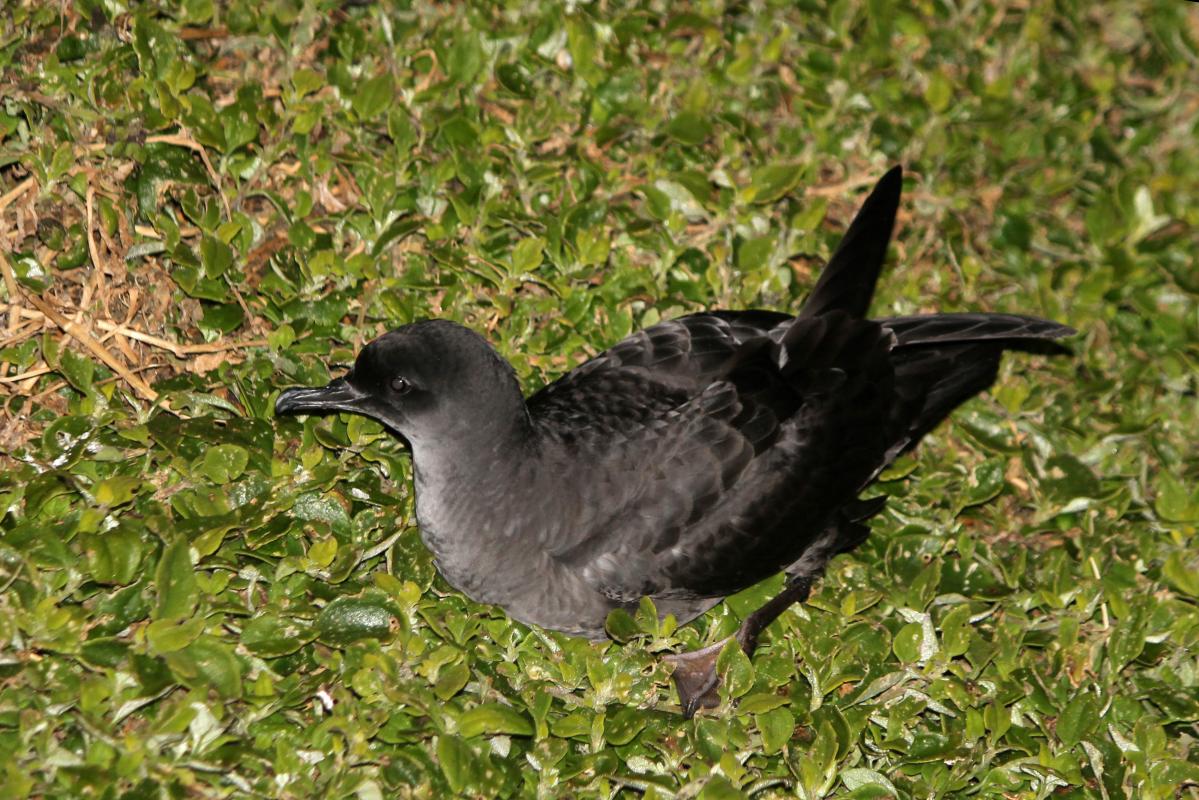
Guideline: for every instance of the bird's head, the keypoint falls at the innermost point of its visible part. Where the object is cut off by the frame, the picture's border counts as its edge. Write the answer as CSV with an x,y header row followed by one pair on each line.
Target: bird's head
x,y
428,381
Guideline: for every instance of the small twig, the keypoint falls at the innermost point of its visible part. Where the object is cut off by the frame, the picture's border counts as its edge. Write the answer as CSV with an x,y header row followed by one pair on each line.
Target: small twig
x,y
33,373
92,248
196,34
80,334
185,231
241,301
20,335
14,318
16,191
839,189
82,150
180,350
98,270
10,283
122,344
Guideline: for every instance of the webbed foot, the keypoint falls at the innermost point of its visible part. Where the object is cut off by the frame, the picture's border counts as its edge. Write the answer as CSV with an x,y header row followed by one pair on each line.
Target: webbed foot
x,y
695,672
696,679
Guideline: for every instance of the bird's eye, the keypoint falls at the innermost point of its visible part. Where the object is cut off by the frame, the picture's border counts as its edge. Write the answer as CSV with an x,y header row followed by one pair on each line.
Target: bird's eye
x,y
401,385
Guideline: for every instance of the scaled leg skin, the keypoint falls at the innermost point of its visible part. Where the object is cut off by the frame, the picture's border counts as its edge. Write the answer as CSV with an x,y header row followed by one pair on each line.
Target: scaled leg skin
x,y
695,672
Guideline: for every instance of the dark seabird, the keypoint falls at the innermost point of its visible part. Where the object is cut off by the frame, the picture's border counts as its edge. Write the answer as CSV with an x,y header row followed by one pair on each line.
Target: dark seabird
x,y
689,461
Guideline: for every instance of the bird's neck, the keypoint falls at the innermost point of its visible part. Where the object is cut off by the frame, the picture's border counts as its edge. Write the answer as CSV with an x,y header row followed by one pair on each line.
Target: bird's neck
x,y
472,456
462,480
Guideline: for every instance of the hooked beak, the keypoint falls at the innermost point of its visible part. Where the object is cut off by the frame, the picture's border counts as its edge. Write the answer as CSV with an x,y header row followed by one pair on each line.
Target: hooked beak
x,y
339,395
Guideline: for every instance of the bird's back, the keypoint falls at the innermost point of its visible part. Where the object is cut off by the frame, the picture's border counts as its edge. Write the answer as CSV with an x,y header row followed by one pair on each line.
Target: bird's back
x,y
705,457
705,453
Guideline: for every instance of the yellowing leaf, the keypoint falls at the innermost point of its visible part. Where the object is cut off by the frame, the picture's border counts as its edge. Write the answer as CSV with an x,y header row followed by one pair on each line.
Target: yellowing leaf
x,y
117,490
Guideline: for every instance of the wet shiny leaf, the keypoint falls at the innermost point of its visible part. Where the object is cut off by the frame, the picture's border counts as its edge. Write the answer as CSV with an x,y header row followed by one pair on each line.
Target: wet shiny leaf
x,y
176,582
493,718
348,619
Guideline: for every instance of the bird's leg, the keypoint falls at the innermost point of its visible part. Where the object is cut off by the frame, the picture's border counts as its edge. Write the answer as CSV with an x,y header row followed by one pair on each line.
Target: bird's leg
x,y
695,672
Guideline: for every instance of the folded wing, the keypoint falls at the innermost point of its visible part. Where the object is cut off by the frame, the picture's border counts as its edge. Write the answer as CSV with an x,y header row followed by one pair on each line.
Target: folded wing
x,y
755,438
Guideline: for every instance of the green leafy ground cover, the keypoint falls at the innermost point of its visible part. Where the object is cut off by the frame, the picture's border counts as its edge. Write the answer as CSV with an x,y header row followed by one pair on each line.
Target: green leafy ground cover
x,y
210,602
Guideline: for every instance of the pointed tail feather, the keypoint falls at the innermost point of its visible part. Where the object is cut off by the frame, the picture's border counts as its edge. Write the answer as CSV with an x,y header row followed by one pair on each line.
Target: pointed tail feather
x,y
847,282
942,360
974,327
